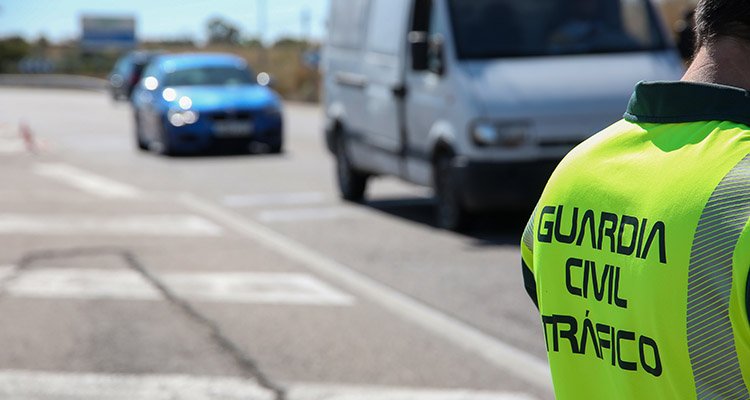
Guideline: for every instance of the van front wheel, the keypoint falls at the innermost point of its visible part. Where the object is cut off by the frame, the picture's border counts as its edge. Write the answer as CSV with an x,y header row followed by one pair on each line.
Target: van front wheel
x,y
352,183
449,212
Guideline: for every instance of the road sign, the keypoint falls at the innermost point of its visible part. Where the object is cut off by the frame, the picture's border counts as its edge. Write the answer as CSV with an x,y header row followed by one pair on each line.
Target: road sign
x,y
105,33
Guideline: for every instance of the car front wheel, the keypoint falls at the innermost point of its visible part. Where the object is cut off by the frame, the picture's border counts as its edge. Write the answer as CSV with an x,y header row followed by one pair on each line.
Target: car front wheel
x,y
140,142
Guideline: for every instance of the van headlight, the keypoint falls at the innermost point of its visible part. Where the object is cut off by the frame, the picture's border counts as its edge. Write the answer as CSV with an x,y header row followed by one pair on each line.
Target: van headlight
x,y
500,134
180,118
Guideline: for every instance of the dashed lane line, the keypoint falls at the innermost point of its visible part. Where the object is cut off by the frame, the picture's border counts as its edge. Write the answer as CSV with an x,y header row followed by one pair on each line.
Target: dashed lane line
x,y
87,182
491,349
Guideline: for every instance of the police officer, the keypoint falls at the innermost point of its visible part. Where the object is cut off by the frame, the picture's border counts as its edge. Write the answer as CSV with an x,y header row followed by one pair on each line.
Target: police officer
x,y
638,252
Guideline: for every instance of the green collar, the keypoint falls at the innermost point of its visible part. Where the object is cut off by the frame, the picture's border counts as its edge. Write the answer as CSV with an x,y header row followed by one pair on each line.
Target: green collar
x,y
675,102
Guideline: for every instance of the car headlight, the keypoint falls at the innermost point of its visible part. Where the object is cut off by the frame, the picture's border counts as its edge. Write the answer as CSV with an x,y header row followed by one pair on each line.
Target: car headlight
x,y
180,118
502,134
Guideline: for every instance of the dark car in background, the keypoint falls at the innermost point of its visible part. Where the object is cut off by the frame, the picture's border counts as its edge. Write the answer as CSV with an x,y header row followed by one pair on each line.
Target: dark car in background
x,y
188,103
127,72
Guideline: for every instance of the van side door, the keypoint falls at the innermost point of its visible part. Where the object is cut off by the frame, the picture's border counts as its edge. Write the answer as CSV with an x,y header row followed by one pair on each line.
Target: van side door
x,y
346,79
429,88
384,64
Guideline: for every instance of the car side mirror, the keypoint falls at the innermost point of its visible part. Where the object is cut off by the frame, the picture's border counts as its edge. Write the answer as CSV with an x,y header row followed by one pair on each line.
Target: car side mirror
x,y
419,50
436,55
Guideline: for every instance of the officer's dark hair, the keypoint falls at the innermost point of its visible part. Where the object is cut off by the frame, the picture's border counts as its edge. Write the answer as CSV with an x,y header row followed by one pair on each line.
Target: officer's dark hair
x,y
722,18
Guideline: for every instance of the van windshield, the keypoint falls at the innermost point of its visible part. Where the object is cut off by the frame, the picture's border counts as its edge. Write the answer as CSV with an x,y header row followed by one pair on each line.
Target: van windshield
x,y
512,28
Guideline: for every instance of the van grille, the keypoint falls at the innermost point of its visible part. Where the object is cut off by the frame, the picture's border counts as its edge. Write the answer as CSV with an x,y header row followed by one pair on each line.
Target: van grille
x,y
561,142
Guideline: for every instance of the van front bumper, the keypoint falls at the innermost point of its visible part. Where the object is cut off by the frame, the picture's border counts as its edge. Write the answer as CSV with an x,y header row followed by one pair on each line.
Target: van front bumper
x,y
486,185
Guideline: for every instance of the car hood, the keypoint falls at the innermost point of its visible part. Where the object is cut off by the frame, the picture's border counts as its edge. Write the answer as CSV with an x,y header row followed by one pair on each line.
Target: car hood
x,y
571,96
206,98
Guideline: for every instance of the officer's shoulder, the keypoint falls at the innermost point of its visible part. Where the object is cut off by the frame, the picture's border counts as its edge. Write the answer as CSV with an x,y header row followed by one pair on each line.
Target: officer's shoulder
x,y
604,137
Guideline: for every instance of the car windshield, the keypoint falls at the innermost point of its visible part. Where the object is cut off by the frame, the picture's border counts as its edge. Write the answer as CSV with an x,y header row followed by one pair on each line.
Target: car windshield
x,y
512,28
209,76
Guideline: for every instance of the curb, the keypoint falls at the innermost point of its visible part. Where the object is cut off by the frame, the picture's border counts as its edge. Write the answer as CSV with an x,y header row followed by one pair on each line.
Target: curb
x,y
58,81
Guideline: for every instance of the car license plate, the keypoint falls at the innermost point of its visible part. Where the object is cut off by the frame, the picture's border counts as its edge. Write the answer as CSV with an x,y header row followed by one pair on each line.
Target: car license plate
x,y
233,128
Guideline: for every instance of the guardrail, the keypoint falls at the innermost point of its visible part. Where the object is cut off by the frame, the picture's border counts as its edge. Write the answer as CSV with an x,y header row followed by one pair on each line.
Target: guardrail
x,y
57,81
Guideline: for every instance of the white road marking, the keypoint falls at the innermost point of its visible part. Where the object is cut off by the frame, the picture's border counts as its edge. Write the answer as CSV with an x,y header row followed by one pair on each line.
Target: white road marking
x,y
252,287
38,385
141,225
28,385
493,350
7,271
332,392
303,214
67,283
10,141
274,199
227,287
11,145
87,181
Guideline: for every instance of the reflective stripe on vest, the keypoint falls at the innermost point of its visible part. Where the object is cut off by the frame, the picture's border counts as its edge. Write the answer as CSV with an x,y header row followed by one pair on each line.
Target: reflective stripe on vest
x,y
711,345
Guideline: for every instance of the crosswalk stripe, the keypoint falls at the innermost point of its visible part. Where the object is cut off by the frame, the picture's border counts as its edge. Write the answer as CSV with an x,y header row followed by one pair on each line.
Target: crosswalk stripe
x,y
87,181
140,225
227,287
303,214
41,385
274,199
7,271
334,392
28,385
515,361
11,145
256,287
66,283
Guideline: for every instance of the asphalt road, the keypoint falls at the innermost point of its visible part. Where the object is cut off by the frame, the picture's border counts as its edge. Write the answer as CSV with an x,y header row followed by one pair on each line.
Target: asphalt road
x,y
126,275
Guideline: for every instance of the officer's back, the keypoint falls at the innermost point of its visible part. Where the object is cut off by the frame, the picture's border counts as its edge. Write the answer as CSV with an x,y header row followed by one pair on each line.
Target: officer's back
x,y
638,251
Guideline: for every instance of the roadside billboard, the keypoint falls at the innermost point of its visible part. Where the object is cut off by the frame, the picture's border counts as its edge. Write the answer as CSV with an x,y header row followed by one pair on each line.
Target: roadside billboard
x,y
108,33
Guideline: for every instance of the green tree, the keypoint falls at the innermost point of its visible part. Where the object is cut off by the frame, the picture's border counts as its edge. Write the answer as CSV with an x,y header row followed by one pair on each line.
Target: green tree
x,y
12,50
221,31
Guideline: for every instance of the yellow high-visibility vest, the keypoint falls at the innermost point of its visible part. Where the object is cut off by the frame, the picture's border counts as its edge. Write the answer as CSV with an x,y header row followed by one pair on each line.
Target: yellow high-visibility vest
x,y
638,251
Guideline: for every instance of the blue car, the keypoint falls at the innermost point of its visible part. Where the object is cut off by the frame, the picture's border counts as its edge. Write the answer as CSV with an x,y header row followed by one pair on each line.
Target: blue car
x,y
189,103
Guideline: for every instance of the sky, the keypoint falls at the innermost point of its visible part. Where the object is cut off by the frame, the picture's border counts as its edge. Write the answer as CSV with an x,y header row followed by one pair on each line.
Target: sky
x,y
162,19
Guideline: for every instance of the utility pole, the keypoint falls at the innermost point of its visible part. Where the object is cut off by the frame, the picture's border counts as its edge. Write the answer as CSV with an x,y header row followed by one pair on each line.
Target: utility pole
x,y
305,25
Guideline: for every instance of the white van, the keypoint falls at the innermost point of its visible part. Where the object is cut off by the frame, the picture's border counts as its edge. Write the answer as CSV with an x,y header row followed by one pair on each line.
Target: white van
x,y
480,99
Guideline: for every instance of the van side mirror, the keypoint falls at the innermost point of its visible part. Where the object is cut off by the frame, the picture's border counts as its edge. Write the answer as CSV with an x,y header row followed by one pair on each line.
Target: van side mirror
x,y
436,55
419,50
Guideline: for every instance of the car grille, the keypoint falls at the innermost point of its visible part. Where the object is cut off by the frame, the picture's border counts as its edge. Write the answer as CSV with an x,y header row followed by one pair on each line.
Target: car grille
x,y
231,116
